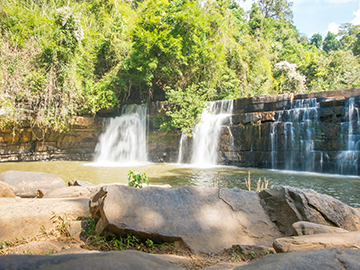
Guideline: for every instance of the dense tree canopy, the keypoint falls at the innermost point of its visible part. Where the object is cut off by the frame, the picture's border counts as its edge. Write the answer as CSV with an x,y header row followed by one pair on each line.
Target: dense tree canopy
x,y
60,58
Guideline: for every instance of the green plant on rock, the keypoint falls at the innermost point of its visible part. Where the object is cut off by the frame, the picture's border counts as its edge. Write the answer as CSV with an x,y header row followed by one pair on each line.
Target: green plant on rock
x,y
90,228
62,223
137,179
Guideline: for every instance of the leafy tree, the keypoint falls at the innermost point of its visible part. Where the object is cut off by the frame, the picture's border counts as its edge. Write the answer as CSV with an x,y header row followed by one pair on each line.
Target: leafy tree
x,y
187,105
276,9
343,70
330,43
316,40
356,46
62,58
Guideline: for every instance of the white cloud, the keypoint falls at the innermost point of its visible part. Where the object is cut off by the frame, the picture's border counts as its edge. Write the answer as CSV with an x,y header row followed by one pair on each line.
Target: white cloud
x,y
246,5
333,28
339,1
357,18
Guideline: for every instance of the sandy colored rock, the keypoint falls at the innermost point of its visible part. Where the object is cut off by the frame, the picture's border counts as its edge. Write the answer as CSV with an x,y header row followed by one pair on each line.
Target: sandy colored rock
x,y
26,217
225,266
124,260
38,247
41,193
287,205
205,219
254,249
6,190
76,251
68,192
309,228
348,240
76,228
172,258
339,259
80,183
26,184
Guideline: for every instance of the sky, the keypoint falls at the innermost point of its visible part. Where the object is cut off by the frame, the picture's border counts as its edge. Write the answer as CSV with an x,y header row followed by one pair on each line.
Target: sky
x,y
321,16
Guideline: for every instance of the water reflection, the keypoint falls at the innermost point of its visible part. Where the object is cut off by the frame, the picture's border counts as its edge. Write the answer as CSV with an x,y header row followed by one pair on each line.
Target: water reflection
x,y
346,189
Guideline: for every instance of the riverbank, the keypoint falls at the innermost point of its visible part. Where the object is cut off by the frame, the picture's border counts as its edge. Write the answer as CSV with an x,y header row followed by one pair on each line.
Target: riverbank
x,y
205,226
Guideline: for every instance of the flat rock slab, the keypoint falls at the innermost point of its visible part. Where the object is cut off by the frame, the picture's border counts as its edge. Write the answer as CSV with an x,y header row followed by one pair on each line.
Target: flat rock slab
x,y
26,217
172,258
39,248
311,260
125,260
348,240
287,205
225,266
205,219
309,228
26,184
68,192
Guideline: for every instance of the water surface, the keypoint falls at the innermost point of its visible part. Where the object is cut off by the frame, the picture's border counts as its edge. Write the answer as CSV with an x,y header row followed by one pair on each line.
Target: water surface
x,y
344,188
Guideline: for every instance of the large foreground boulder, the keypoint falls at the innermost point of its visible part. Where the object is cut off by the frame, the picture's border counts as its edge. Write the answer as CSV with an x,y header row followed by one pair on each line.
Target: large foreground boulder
x,y
348,240
28,217
26,184
287,205
125,260
205,219
319,259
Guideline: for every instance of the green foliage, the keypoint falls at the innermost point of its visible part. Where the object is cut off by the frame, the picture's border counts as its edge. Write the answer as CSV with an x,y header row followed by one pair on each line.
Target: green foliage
x,y
64,58
137,179
317,40
330,43
90,228
187,106
277,10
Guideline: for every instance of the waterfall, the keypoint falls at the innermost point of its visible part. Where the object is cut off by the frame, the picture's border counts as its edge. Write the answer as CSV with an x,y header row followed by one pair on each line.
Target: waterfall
x,y
206,134
292,136
347,159
124,140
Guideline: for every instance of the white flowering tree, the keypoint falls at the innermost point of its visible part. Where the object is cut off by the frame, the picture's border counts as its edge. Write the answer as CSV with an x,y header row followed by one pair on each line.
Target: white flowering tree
x,y
288,79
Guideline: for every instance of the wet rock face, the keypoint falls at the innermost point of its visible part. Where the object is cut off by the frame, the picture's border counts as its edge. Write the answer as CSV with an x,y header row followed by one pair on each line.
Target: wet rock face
x,y
33,144
287,205
26,184
205,219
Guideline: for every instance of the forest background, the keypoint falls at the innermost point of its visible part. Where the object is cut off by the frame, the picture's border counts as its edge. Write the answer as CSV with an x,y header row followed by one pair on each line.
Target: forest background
x,y
60,58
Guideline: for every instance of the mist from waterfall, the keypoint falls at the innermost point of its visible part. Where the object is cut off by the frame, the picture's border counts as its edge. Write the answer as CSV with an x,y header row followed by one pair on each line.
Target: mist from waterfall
x,y
206,134
124,140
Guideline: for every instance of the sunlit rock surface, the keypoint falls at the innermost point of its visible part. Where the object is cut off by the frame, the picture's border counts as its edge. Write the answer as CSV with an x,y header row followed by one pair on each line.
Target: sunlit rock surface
x,y
205,219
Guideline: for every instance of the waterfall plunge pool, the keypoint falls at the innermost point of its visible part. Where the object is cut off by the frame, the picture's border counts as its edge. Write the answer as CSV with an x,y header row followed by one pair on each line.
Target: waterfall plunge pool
x,y
344,188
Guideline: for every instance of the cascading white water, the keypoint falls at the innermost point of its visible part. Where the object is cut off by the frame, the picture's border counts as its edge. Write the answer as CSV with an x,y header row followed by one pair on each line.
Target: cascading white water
x,y
183,146
124,141
206,134
299,131
347,160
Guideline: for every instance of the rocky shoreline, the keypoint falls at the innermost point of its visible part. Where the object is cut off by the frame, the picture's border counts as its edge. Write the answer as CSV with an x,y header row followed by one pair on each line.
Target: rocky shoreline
x,y
187,227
